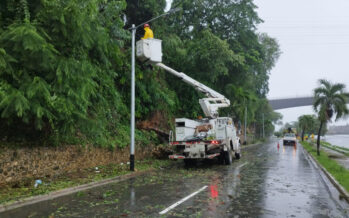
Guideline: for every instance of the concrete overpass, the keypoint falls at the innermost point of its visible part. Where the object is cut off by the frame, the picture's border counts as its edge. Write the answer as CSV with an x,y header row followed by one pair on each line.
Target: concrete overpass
x,y
277,104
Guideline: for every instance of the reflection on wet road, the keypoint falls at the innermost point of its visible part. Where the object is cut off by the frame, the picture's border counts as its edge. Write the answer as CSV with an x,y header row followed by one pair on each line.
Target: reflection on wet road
x,y
268,181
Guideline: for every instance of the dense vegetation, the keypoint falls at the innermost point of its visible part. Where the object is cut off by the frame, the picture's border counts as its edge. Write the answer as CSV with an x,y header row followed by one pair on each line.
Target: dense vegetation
x,y
306,123
65,66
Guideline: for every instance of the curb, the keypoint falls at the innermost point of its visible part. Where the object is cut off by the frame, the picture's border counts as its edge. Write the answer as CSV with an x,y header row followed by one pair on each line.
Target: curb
x,y
343,193
67,191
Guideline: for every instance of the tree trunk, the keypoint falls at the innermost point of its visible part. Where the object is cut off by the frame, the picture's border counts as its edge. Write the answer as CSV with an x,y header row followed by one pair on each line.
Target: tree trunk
x,y
303,134
318,140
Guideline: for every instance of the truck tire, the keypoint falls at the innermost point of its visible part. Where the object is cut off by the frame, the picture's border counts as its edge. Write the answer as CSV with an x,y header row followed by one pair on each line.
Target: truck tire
x,y
221,158
189,162
227,158
237,156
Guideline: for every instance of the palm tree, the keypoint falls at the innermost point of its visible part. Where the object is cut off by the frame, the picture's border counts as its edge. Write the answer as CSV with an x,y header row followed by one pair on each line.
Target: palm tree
x,y
329,99
305,122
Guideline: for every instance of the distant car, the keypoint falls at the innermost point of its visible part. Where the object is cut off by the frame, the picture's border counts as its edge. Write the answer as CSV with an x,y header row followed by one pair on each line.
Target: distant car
x,y
289,139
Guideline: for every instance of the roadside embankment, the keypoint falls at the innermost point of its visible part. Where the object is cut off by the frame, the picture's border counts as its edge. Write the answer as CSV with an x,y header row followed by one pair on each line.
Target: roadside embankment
x,y
62,167
69,183
18,164
337,174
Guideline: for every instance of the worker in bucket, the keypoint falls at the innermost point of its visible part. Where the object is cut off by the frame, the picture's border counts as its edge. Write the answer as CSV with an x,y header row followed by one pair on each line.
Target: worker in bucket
x,y
148,32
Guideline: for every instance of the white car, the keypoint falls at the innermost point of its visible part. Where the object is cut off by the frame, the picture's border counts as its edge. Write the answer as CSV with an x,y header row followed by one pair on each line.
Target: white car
x,y
289,139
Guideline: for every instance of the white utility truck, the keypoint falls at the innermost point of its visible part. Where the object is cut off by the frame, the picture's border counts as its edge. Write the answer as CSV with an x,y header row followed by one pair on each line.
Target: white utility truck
x,y
207,138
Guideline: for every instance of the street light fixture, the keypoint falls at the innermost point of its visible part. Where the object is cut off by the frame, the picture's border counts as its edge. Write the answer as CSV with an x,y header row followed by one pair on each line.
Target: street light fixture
x,y
133,62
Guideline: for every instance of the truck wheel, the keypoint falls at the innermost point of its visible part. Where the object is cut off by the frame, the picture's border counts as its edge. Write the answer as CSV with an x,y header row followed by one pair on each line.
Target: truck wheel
x,y
237,156
189,162
227,158
221,158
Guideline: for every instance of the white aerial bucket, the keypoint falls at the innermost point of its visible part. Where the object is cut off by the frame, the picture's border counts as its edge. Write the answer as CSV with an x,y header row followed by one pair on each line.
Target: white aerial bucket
x,y
149,49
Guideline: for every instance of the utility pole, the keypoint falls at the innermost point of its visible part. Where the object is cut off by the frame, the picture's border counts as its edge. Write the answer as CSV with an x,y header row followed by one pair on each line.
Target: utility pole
x,y
133,63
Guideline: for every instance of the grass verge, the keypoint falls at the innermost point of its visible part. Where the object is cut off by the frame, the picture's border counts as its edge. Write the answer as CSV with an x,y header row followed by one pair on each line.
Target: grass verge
x,y
337,171
26,188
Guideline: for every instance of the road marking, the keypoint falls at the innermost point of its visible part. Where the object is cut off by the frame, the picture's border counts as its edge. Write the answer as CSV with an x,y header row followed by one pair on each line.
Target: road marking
x,y
242,165
182,200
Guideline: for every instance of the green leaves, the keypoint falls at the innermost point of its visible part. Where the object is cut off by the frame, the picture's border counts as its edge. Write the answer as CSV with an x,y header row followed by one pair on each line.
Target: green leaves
x,y
58,68
329,98
14,103
38,87
216,43
65,64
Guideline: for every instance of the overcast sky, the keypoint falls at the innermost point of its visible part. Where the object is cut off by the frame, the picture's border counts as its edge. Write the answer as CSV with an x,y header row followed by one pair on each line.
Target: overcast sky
x,y
314,40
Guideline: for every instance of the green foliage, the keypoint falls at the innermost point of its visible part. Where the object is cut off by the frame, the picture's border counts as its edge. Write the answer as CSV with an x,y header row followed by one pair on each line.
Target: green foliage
x,y
313,129
330,99
65,67
58,68
222,49
306,123
266,115
140,11
278,134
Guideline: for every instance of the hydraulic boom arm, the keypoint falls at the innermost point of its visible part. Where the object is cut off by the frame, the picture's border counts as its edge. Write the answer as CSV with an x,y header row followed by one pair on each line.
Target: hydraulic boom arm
x,y
209,105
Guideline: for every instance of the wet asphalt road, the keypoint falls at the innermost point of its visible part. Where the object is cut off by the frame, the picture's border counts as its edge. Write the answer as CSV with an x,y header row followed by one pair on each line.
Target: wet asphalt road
x,y
265,182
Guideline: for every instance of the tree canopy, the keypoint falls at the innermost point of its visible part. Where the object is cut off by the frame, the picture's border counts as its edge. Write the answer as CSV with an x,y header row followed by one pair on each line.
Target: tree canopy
x,y
65,66
306,123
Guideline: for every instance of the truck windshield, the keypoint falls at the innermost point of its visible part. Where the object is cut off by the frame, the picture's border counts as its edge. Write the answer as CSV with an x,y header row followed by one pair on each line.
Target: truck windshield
x,y
290,135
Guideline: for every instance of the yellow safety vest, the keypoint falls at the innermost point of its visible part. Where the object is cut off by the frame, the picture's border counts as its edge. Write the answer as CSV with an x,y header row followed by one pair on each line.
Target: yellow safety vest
x,y
148,33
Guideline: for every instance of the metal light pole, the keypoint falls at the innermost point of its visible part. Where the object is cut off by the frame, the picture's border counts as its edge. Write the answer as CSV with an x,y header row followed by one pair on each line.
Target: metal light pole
x,y
133,63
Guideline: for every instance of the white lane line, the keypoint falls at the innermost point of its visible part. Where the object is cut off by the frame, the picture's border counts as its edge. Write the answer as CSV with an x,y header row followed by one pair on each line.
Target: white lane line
x,y
182,200
242,165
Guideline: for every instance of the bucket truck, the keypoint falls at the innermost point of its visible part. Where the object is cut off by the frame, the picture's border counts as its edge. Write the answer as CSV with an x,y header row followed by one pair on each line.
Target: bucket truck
x,y
207,138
